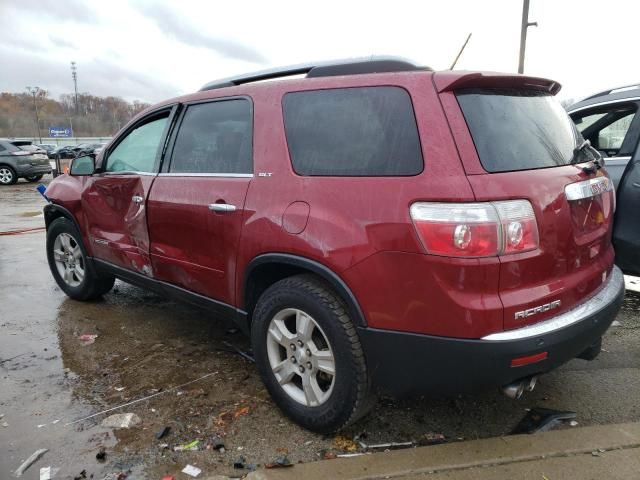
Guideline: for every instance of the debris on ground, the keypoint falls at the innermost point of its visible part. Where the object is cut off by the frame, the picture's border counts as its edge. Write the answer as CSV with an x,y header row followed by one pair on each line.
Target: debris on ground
x,y
155,393
281,462
240,412
87,338
82,475
187,447
191,470
240,463
47,473
541,419
431,438
346,444
215,443
351,455
101,455
168,477
616,323
35,456
164,431
240,352
387,446
118,389
4,424
573,423
121,420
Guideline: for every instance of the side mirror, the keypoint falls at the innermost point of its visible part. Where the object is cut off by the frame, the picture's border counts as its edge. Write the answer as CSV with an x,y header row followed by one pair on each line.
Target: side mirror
x,y
84,165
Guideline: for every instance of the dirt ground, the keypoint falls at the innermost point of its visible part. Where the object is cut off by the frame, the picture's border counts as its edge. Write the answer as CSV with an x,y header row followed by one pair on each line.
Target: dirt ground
x,y
149,346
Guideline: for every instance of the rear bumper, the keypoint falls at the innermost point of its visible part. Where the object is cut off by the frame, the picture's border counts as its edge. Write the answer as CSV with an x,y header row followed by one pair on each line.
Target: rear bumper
x,y
406,363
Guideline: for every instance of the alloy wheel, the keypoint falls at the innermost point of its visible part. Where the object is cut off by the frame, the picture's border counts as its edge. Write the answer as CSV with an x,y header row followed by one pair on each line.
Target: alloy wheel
x,y
301,357
6,176
69,259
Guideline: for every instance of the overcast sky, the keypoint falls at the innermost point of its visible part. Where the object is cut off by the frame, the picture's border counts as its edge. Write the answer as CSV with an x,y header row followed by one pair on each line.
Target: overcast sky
x,y
152,50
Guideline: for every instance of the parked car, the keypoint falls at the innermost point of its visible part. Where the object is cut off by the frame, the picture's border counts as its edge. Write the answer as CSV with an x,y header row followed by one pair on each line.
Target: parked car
x,y
47,147
608,120
64,151
21,162
31,148
374,226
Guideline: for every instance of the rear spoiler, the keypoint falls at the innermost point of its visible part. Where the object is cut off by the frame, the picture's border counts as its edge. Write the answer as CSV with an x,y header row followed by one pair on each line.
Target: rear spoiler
x,y
446,81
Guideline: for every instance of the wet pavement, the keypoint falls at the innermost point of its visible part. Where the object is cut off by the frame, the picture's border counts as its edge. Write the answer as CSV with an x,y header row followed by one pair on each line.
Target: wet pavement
x,y
147,346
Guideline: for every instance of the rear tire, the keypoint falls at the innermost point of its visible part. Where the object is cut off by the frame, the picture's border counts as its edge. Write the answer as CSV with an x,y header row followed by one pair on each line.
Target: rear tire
x,y
33,178
7,175
67,257
301,332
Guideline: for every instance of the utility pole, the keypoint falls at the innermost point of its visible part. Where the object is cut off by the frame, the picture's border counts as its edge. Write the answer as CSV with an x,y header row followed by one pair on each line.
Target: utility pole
x,y
34,91
523,33
74,75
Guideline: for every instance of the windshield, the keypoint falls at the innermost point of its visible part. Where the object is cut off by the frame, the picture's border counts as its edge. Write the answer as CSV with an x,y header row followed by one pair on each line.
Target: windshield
x,y
519,129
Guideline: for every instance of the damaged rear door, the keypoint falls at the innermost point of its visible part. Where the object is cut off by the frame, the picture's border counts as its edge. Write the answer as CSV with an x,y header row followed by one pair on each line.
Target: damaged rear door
x,y
114,201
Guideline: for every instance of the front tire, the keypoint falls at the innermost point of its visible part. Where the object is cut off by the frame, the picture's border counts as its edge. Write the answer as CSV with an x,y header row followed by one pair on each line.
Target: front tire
x,y
309,355
68,263
33,178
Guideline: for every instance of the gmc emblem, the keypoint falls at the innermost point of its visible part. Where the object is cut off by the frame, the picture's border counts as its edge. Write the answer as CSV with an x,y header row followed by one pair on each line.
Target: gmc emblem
x,y
539,309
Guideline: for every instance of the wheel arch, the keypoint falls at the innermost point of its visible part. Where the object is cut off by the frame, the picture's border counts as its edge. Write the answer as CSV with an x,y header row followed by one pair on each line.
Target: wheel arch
x,y
53,211
266,269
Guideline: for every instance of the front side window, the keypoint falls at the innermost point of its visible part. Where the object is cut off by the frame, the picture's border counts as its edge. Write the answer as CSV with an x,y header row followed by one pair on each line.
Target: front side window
x,y
364,131
138,151
215,137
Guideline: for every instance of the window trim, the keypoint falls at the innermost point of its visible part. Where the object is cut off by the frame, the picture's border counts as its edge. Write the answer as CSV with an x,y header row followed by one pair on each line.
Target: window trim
x,y
171,109
415,121
166,166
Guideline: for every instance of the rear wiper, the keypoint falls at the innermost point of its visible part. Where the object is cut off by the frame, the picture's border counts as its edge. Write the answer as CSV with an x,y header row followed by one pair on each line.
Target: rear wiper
x,y
586,149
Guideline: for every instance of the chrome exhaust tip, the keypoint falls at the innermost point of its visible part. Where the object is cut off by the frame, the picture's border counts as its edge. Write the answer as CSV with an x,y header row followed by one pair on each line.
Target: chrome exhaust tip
x,y
514,390
532,384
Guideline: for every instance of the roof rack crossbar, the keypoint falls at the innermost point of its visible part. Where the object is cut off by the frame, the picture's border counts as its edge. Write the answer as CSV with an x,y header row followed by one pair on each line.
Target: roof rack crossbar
x,y
374,64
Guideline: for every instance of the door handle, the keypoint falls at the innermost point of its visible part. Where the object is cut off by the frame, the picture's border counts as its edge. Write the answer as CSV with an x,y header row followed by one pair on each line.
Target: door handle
x,y
137,199
222,207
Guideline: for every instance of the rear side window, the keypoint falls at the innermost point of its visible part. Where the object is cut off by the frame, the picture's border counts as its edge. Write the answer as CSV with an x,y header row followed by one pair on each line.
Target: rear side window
x,y
368,131
215,137
518,130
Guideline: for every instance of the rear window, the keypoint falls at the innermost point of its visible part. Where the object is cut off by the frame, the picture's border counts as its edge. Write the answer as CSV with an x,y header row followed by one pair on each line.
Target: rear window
x,y
367,131
518,130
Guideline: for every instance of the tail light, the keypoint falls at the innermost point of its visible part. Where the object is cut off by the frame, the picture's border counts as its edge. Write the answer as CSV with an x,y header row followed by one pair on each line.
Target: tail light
x,y
476,229
20,153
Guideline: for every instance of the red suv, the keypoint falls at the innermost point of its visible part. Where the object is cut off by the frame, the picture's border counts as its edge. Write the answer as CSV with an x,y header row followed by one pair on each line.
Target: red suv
x,y
373,225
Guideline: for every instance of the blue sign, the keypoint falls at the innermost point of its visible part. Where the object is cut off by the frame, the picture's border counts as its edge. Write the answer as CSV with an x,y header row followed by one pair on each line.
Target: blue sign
x,y
55,132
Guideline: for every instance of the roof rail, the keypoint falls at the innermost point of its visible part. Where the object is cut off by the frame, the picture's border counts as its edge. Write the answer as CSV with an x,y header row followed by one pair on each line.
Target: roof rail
x,y
614,90
353,66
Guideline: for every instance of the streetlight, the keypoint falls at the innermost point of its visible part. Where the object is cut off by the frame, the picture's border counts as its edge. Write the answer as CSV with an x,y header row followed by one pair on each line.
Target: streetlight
x,y
34,91
74,75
